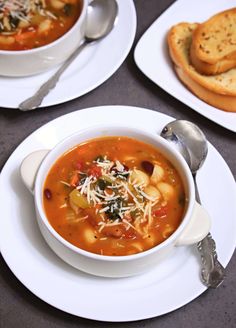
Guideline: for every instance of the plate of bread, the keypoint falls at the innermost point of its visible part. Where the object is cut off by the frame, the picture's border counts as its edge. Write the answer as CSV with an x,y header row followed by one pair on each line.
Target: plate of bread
x,y
191,54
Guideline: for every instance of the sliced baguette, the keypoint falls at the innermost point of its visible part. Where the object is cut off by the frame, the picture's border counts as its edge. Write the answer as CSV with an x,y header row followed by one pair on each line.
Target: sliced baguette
x,y
219,90
226,103
211,69
213,48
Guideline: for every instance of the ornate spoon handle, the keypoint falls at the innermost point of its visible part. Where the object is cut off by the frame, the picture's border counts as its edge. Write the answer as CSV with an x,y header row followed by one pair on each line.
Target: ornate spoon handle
x,y
212,272
35,100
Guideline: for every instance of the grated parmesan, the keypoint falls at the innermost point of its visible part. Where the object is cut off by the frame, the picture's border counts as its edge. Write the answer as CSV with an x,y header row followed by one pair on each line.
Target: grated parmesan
x,y
117,206
12,11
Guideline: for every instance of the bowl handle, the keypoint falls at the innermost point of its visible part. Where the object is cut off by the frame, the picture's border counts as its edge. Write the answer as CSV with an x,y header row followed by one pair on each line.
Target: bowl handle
x,y
29,167
197,228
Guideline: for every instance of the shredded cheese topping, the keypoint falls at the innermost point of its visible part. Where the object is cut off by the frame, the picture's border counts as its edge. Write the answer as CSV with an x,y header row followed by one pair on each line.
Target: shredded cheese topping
x,y
118,199
14,11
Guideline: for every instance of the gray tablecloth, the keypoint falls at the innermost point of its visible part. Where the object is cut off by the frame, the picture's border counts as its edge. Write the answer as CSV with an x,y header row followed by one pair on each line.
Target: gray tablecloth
x,y
128,86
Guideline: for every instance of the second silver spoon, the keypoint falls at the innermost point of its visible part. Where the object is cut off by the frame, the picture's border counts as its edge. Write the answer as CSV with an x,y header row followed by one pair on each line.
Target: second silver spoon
x,y
101,16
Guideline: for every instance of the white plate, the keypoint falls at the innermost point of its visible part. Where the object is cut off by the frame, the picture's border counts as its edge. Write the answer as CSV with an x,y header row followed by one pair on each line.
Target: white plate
x,y
126,299
151,55
91,68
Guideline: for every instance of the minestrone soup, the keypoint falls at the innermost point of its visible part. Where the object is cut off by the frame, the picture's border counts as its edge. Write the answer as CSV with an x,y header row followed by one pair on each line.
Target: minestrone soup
x,y
28,24
114,196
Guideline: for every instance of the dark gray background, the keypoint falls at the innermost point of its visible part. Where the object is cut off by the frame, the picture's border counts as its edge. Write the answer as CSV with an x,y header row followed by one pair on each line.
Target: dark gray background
x,y
128,86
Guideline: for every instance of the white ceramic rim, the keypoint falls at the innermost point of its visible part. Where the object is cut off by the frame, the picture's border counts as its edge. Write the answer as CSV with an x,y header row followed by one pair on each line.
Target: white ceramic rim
x,y
27,52
50,159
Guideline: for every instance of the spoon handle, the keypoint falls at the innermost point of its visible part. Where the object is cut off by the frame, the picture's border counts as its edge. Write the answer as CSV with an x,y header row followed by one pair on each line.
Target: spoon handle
x,y
212,272
35,100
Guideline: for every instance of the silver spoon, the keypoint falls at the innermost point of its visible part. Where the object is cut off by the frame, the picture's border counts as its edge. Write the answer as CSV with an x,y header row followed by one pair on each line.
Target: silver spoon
x,y
192,144
101,16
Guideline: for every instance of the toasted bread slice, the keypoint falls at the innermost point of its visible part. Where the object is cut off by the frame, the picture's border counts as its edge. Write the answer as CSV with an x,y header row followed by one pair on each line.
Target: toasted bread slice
x,y
226,103
215,39
202,67
213,48
219,90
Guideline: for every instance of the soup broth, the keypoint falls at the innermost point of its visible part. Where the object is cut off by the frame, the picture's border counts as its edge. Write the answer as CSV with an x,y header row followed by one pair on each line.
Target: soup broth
x,y
28,24
114,196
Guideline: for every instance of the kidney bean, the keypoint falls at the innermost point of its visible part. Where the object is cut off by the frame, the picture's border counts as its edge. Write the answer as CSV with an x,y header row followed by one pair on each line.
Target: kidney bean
x,y
147,166
48,193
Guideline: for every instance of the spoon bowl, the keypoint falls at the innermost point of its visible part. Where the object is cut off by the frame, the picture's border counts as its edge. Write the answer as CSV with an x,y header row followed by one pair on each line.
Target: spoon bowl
x,y
190,141
101,17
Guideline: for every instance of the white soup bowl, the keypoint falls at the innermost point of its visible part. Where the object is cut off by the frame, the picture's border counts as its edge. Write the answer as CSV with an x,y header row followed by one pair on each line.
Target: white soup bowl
x,y
194,226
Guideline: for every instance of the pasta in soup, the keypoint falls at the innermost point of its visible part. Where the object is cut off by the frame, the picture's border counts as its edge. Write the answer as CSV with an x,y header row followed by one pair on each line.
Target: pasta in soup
x,y
28,24
114,196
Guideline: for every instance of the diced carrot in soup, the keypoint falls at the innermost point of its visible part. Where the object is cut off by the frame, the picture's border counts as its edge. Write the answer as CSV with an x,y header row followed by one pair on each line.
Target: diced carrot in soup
x,y
121,210
35,23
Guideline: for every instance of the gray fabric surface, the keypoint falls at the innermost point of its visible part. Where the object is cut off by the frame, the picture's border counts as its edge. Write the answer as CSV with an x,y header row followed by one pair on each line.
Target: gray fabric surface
x,y
127,86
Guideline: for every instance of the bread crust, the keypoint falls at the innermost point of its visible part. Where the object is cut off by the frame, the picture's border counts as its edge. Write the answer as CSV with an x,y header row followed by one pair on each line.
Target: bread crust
x,y
211,69
224,102
179,41
215,39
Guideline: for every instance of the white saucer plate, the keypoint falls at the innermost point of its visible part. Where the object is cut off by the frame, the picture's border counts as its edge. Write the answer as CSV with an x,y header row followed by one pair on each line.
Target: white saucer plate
x,y
152,57
172,284
96,63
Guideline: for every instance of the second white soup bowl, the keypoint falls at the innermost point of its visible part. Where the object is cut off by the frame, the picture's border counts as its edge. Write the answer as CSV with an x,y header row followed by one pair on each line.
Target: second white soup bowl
x,y
33,61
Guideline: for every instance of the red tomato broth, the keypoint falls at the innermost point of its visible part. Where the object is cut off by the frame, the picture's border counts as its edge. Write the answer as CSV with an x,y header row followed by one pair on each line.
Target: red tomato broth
x,y
105,232
45,22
